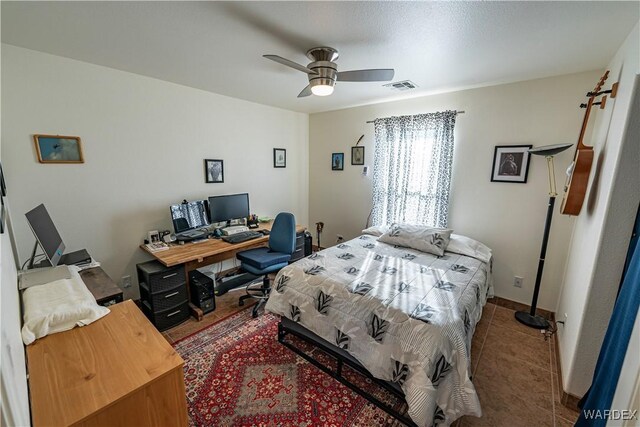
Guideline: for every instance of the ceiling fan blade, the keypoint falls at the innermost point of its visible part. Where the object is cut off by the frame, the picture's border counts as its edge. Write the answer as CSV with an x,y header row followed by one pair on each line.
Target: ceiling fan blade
x,y
376,75
305,92
284,61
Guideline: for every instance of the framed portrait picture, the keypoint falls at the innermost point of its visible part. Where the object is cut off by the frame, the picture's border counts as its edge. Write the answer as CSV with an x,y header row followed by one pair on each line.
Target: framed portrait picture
x,y
337,161
511,163
213,170
58,149
357,155
279,158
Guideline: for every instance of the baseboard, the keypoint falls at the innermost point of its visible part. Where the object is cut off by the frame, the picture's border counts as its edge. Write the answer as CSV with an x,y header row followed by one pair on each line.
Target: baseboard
x,y
518,306
566,399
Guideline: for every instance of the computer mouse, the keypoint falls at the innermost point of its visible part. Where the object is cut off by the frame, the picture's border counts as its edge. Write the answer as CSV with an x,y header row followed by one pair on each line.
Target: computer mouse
x,y
264,232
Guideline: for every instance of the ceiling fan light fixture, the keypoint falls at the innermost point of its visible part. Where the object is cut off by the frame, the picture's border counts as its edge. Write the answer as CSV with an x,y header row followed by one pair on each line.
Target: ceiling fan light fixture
x,y
322,90
322,86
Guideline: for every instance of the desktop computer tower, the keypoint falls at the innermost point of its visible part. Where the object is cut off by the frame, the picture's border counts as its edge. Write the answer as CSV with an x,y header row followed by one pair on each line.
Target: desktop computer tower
x,y
308,243
202,291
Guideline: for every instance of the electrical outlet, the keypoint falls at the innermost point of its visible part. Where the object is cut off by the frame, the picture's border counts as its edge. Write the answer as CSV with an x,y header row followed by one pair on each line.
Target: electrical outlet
x,y
517,281
126,281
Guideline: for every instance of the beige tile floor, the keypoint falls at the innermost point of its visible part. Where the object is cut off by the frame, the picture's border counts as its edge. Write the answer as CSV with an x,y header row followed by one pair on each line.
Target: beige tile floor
x,y
514,368
514,372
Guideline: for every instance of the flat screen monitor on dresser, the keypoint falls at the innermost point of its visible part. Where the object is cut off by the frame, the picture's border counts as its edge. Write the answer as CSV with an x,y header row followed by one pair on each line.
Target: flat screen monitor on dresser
x,y
228,207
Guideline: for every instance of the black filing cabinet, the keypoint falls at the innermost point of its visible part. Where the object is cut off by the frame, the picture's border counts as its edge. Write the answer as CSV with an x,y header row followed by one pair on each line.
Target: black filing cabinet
x,y
299,253
163,294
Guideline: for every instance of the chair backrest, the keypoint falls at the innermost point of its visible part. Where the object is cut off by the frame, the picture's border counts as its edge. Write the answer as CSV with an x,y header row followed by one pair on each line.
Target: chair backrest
x,y
283,233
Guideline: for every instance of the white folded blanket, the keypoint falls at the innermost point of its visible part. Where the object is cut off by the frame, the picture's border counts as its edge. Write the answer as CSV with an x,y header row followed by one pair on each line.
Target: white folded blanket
x,y
58,306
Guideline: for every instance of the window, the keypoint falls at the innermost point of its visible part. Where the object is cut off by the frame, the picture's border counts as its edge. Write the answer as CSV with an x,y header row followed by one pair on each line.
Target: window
x,y
412,169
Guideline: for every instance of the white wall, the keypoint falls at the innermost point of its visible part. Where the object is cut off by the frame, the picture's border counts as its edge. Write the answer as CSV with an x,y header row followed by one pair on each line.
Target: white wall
x,y
15,399
144,143
601,234
509,218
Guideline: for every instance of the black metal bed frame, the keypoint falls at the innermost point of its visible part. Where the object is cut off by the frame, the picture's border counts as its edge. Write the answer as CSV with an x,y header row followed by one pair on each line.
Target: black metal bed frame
x,y
286,326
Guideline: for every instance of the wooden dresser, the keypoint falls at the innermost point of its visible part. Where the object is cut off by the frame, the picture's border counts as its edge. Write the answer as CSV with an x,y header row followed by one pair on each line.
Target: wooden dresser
x,y
117,371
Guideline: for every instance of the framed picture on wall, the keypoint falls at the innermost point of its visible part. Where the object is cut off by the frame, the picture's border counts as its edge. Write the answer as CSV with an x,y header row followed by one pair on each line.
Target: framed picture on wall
x,y
213,171
357,155
511,163
58,149
279,158
337,161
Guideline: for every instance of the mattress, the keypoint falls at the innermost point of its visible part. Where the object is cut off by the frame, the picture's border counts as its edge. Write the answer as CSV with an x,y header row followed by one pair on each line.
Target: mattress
x,y
405,315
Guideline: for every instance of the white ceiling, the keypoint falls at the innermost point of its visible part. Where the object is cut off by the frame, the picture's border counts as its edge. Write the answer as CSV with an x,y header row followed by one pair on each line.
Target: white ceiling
x,y
218,46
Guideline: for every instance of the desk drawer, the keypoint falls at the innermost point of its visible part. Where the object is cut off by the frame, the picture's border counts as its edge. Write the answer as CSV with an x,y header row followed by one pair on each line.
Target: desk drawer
x,y
159,278
169,318
298,254
164,300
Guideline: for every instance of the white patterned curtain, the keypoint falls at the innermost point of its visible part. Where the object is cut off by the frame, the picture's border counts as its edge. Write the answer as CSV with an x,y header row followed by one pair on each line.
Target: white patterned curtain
x,y
412,169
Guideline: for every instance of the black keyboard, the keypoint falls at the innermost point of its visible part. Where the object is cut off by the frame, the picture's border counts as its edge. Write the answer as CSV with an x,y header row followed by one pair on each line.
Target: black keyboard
x,y
243,236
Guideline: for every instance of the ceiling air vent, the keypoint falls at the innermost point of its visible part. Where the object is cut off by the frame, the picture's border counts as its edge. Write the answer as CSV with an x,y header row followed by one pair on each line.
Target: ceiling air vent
x,y
403,85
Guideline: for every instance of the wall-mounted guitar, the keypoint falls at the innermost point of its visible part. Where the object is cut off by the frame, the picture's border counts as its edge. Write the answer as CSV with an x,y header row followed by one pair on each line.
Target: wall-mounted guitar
x,y
578,172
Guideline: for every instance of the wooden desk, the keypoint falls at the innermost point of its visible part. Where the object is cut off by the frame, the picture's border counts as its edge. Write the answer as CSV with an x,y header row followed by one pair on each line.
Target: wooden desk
x,y
196,255
201,254
117,371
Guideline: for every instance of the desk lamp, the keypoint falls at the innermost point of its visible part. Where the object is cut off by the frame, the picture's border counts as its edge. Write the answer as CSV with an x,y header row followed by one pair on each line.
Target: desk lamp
x,y
531,319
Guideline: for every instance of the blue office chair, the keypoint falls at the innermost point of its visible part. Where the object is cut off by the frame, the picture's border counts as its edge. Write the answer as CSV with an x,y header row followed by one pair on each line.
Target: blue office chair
x,y
262,261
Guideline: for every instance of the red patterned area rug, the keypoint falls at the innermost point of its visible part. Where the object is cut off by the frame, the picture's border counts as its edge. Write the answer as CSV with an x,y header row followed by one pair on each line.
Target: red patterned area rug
x,y
238,374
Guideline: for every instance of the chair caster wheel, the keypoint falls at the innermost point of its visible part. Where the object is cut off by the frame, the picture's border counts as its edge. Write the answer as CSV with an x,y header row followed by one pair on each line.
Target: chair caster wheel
x,y
241,303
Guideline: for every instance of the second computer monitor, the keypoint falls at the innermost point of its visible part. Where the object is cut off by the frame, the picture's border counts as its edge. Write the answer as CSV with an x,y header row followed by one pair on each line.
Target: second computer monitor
x,y
189,216
228,207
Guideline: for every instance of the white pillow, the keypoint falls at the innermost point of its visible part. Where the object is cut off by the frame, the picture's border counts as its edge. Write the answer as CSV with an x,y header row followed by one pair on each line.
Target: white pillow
x,y
58,306
420,237
376,230
464,245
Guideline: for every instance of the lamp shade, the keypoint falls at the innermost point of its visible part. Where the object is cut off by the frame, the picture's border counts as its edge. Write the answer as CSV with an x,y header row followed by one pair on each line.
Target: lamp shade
x,y
549,150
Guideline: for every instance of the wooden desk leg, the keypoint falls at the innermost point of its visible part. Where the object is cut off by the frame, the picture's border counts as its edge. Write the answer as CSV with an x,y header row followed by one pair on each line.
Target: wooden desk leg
x,y
196,312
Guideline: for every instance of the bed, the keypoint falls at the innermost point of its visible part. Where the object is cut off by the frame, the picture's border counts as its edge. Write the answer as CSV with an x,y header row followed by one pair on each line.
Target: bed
x,y
406,316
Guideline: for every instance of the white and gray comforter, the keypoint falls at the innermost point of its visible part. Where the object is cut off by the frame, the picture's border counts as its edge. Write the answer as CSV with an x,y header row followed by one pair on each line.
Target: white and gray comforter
x,y
406,315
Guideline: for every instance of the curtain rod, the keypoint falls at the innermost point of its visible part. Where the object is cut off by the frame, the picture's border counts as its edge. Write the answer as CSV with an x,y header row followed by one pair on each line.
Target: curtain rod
x,y
459,112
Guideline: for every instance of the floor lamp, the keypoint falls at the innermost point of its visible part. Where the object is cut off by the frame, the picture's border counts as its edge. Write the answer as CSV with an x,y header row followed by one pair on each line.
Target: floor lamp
x,y
531,319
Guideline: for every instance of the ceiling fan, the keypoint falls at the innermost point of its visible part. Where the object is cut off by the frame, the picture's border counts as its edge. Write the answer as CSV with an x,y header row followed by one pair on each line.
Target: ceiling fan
x,y
323,71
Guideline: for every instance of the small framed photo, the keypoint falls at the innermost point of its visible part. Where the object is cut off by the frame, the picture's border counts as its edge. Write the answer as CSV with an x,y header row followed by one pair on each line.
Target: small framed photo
x,y
357,155
153,236
213,171
279,158
511,163
58,149
337,161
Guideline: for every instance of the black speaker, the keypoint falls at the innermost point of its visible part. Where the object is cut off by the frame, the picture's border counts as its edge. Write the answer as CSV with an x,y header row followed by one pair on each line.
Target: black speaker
x,y
308,242
202,291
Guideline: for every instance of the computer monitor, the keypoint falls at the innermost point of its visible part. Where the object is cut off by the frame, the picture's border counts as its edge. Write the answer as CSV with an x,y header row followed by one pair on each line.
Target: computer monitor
x,y
189,216
46,233
228,207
